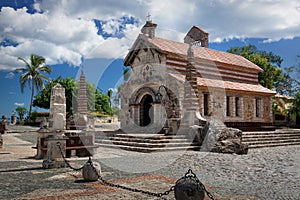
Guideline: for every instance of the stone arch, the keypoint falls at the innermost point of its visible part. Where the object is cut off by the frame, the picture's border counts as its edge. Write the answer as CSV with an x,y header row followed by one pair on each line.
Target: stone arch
x,y
137,96
146,110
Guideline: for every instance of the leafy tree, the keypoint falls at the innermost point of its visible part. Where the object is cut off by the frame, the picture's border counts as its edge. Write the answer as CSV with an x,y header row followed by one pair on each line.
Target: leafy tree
x,y
109,94
42,99
295,108
33,75
273,76
21,111
96,100
102,103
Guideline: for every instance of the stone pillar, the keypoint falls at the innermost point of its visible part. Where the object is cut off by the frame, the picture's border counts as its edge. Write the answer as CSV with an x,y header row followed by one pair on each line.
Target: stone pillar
x,y
81,119
1,141
56,146
57,118
82,107
41,143
158,118
191,115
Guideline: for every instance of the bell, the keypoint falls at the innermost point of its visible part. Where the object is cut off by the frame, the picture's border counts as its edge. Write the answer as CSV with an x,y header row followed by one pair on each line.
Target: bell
x,y
189,188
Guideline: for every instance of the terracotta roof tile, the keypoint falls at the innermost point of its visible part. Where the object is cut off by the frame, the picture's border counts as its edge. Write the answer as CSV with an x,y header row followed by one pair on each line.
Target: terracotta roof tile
x,y
179,48
228,85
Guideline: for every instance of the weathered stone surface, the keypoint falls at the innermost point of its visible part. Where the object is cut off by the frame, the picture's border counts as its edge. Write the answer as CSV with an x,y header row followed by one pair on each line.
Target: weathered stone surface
x,y
56,148
1,141
221,139
91,171
57,119
3,125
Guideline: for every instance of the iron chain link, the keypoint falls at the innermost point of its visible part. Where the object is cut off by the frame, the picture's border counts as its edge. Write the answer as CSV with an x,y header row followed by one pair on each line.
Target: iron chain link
x,y
105,182
65,160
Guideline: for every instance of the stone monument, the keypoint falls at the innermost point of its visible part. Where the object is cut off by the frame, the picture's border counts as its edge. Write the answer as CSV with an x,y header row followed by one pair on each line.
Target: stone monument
x,y
1,141
81,117
57,118
192,122
51,140
3,125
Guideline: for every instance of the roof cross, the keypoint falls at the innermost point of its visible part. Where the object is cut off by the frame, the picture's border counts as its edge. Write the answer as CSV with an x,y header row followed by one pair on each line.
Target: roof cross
x,y
148,16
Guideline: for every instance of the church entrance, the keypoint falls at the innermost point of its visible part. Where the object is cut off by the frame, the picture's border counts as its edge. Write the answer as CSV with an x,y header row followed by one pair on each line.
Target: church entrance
x,y
146,110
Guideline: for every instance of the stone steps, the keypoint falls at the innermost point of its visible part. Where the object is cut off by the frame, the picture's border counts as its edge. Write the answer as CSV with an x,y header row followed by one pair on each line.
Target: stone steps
x,y
145,142
149,150
271,138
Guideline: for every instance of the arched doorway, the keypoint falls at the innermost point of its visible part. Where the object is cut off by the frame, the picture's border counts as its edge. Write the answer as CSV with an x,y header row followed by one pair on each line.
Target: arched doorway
x,y
146,113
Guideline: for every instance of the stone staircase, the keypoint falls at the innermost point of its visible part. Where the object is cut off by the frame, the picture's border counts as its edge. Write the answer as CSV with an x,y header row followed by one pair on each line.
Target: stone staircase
x,y
279,137
144,142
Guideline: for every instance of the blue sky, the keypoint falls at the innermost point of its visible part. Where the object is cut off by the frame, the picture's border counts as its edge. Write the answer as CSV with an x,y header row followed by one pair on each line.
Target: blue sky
x,y
96,35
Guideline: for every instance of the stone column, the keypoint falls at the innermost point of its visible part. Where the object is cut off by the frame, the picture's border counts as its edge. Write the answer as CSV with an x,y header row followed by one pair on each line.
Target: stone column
x,y
57,118
191,115
81,119
157,113
41,143
56,149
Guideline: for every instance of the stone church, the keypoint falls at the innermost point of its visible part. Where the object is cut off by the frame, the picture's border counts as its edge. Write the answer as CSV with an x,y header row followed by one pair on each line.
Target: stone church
x,y
221,85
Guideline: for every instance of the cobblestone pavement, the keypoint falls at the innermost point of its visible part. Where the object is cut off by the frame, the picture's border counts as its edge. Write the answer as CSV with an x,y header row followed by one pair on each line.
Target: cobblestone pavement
x,y
268,173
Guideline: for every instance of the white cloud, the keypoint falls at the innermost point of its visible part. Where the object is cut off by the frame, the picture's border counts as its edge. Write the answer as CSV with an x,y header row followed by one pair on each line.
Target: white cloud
x,y
19,104
10,75
64,31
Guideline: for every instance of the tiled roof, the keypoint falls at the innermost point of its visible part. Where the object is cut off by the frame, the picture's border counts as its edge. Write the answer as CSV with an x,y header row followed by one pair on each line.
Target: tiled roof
x,y
169,46
228,85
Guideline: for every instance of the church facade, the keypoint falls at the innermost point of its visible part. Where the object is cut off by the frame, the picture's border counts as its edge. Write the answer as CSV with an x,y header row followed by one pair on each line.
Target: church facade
x,y
224,85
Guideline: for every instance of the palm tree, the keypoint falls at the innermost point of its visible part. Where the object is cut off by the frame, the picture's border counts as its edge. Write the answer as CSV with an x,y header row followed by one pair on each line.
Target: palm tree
x,y
32,74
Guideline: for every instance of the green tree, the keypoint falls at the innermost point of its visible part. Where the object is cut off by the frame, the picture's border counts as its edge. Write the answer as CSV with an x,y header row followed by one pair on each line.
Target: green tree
x,y
102,103
273,77
109,94
96,100
21,111
33,75
42,99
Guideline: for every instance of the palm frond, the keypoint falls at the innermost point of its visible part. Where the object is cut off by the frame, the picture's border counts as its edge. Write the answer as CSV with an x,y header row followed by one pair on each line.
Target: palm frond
x,y
20,70
45,68
26,63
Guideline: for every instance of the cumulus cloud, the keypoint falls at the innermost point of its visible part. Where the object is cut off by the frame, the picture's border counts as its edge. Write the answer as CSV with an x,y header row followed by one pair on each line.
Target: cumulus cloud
x,y
10,75
19,104
65,31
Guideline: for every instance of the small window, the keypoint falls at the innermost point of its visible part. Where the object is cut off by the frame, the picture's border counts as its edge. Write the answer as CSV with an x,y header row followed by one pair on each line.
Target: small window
x,y
237,106
205,103
227,106
257,107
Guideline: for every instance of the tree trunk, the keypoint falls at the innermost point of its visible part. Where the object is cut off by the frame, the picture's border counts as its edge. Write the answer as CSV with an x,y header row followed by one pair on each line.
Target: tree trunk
x,y
31,99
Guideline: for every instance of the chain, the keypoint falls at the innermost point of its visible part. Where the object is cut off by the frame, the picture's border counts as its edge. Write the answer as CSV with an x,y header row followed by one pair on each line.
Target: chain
x,y
189,174
65,160
111,184
105,182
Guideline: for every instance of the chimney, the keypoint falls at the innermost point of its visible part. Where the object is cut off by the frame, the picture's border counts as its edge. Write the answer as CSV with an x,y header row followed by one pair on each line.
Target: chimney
x,y
149,29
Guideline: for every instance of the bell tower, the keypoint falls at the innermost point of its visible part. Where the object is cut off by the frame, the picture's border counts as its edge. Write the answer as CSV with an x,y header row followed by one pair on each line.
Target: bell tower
x,y
197,36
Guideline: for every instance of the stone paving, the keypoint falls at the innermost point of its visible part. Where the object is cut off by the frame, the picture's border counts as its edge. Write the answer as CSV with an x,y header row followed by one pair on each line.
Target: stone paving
x,y
268,173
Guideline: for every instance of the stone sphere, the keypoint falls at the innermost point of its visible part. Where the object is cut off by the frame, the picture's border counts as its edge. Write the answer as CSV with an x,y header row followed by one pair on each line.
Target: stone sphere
x,y
91,171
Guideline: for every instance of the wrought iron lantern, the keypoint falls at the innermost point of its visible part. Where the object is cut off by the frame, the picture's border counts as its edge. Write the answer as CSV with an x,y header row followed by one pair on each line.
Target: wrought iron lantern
x,y
158,97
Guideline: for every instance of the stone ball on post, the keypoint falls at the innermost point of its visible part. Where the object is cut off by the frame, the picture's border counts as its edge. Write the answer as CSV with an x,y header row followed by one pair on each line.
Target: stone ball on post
x,y
91,171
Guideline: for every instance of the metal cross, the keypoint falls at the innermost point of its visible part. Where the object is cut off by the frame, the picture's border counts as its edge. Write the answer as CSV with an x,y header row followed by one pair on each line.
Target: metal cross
x,y
148,16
